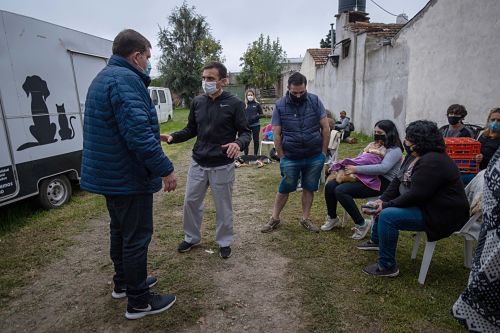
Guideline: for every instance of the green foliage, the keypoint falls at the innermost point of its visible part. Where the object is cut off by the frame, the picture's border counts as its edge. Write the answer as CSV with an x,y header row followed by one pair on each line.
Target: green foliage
x,y
186,45
327,42
262,63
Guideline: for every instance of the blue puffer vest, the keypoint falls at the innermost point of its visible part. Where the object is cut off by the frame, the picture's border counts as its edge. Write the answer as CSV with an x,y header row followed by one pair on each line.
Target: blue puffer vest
x,y
122,154
300,127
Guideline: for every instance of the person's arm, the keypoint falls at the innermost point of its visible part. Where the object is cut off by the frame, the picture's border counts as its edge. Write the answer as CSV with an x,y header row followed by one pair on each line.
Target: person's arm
x,y
344,125
392,191
325,133
191,129
421,188
392,156
277,141
260,113
133,120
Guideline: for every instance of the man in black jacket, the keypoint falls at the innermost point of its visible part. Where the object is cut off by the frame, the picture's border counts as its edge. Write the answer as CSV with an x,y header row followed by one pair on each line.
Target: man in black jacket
x,y
218,122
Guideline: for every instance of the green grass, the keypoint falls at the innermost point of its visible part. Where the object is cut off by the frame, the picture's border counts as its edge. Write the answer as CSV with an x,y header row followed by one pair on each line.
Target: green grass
x,y
325,268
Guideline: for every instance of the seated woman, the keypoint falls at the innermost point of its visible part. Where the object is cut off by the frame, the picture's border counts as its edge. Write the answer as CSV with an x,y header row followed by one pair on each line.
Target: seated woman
x,y
386,135
427,195
490,141
372,154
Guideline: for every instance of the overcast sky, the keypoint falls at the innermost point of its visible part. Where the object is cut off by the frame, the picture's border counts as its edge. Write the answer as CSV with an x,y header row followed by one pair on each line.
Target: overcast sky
x,y
235,23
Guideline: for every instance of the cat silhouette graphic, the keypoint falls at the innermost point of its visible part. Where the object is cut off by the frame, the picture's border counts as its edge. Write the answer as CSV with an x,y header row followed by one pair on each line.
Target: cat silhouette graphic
x,y
65,132
42,129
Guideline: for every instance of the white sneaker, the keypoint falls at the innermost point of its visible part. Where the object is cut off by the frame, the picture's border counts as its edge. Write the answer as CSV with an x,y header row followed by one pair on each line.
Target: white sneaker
x,y
361,232
330,223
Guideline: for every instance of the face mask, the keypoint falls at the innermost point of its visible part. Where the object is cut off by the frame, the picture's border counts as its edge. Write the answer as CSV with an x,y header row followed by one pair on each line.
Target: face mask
x,y
250,98
494,127
298,100
407,149
147,70
379,137
209,87
453,120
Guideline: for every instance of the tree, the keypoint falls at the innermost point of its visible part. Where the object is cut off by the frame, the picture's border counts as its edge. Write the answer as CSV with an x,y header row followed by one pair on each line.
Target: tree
x,y
186,45
262,63
327,43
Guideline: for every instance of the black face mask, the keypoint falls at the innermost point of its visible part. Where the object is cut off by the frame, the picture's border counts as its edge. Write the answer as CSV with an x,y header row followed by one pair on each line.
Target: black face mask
x,y
407,149
453,120
298,100
379,137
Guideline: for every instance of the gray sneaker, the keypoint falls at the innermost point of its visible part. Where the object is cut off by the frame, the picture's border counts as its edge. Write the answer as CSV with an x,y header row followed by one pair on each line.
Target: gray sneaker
x,y
330,223
271,225
360,232
368,246
308,225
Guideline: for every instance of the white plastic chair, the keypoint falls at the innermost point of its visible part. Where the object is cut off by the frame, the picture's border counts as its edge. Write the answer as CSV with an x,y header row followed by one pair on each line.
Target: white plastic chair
x,y
470,231
269,144
333,146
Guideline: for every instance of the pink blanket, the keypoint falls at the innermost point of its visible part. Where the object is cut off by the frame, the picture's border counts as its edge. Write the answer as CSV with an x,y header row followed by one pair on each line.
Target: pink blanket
x,y
372,182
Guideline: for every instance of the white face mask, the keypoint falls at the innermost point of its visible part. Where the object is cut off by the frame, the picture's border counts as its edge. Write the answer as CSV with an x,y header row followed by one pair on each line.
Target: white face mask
x,y
209,87
250,98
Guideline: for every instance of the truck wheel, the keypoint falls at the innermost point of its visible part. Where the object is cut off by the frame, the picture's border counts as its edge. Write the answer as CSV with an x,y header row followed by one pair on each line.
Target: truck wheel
x,y
54,192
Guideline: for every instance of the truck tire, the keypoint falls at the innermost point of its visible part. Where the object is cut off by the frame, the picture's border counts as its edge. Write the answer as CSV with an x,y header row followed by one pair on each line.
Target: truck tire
x,y
54,192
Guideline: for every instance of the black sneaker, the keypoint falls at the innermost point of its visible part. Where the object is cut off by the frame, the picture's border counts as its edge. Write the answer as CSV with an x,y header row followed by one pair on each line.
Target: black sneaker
x,y
121,292
185,246
376,270
225,252
368,246
156,304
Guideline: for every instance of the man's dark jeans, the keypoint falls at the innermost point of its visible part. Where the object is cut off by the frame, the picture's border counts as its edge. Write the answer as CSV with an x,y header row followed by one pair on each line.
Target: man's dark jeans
x,y
131,229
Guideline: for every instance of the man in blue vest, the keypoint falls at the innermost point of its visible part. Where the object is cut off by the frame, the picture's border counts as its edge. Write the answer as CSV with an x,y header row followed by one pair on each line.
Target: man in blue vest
x,y
301,135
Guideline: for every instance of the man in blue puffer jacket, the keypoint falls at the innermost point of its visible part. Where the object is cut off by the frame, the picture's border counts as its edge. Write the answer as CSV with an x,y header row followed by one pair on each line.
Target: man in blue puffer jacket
x,y
123,160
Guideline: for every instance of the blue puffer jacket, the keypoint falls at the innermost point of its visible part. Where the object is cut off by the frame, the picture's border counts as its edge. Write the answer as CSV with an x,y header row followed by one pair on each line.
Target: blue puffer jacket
x,y
122,154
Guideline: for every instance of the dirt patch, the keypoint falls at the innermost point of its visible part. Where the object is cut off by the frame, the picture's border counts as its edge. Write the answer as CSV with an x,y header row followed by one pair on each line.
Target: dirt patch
x,y
251,288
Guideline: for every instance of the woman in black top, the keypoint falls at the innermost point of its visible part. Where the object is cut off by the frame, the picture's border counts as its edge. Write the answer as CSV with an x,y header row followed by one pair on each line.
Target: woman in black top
x,y
490,138
253,112
427,195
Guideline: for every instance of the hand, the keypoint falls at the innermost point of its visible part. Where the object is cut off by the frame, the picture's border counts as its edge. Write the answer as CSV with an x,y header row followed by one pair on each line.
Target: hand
x,y
350,169
166,138
479,158
169,182
280,153
379,203
232,149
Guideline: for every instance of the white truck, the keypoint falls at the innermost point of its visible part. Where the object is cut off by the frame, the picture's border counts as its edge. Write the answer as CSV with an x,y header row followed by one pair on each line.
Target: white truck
x,y
45,71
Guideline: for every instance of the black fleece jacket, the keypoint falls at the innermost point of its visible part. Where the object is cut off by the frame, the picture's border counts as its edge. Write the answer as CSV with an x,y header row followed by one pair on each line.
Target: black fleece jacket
x,y
215,123
437,189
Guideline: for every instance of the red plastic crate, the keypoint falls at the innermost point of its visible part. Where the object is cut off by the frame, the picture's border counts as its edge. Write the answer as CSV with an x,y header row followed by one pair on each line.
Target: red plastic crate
x,y
462,148
467,166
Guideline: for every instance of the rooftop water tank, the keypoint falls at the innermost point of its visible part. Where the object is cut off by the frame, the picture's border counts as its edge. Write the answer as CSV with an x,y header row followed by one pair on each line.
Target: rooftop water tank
x,y
352,6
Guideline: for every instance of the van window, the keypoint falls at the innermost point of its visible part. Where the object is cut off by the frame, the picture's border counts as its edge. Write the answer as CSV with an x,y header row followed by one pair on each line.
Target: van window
x,y
162,96
154,97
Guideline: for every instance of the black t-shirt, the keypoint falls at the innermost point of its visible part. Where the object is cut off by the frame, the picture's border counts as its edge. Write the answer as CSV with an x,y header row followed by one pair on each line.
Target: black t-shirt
x,y
488,148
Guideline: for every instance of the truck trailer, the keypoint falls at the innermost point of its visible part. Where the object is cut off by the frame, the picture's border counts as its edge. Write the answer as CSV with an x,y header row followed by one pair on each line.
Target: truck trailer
x,y
45,72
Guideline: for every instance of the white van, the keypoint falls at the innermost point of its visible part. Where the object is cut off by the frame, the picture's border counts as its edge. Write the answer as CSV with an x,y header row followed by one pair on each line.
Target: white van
x,y
163,103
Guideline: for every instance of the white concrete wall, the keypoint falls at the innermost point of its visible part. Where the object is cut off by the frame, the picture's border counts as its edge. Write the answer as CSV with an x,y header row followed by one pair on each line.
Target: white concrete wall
x,y
454,58
308,69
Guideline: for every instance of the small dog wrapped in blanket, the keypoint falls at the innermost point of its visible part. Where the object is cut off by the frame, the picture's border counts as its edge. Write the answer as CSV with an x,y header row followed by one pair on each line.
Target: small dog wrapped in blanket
x,y
372,154
248,160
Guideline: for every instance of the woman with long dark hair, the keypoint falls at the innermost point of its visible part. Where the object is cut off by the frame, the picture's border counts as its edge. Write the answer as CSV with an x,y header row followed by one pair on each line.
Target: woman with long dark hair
x,y
385,134
426,195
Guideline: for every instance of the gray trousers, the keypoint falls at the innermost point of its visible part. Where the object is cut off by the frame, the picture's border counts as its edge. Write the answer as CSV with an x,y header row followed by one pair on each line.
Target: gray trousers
x,y
220,179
